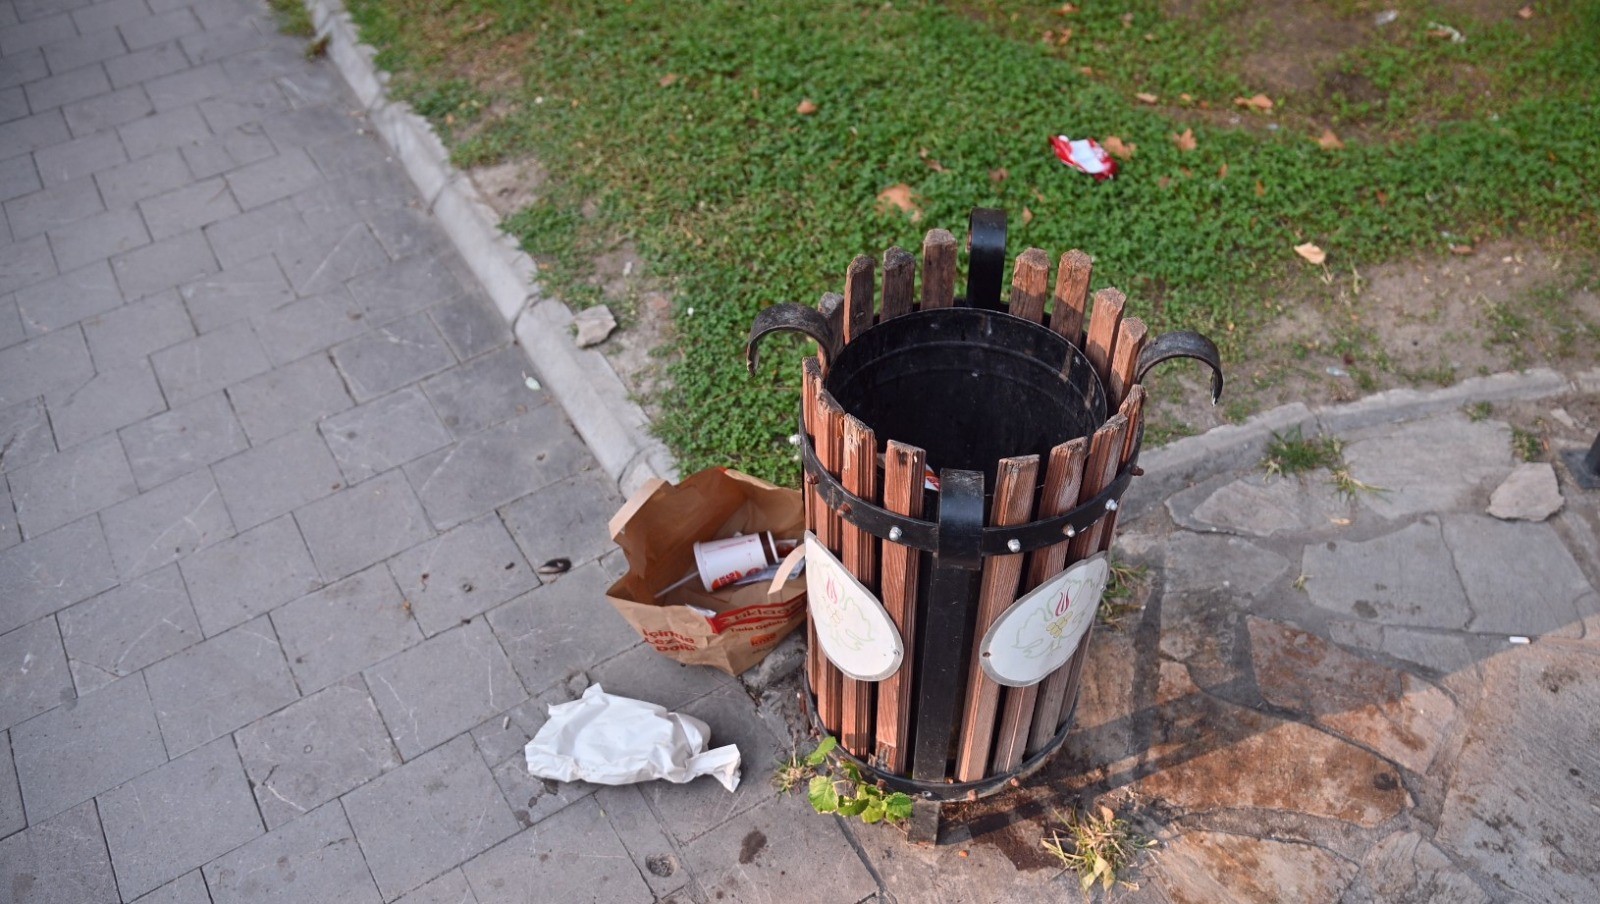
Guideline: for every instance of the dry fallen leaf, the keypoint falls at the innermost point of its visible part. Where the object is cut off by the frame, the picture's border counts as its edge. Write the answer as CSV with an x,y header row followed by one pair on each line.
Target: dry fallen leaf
x,y
1222,172
1311,253
1330,141
1525,13
1116,147
668,80
1144,98
1259,102
1186,98
900,196
806,108
1066,9
931,163
1086,70
998,175
1463,250
1127,20
1164,181
1106,814
1261,190
1185,142
1027,216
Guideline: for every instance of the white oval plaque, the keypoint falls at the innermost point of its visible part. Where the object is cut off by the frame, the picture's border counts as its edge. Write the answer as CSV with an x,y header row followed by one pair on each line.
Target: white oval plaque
x,y
854,629
1040,632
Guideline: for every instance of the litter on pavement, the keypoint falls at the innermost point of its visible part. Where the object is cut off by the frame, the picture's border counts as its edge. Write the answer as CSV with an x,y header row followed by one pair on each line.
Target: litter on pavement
x,y
611,740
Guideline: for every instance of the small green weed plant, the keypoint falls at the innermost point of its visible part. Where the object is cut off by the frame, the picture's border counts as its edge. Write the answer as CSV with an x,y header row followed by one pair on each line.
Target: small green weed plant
x,y
1526,444
1098,847
1292,453
837,786
1123,586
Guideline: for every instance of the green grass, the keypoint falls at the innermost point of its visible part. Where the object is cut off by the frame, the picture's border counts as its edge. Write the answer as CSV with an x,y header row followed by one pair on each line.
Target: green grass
x,y
1526,444
742,203
292,17
1293,453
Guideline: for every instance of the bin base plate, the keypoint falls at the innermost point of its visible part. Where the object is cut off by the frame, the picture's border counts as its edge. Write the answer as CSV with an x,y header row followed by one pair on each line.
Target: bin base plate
x,y
947,792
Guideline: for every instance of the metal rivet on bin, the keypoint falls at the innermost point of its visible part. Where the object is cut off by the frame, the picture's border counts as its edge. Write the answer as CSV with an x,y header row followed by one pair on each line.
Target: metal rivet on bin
x,y
1070,531
1014,545
895,534
1111,505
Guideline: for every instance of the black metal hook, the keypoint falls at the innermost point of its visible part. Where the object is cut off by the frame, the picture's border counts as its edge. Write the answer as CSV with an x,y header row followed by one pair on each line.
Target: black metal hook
x,y
1183,344
795,318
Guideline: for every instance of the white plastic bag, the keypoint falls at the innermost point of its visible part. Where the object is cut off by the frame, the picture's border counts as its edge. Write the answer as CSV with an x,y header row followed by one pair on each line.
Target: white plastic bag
x,y
611,740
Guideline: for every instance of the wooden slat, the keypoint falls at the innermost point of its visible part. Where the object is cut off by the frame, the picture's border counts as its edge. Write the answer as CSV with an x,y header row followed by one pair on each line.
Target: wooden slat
x,y
1125,359
1105,458
830,451
899,282
859,473
1072,295
902,494
811,388
938,269
1133,410
1062,477
858,298
831,306
1104,451
1103,323
1013,504
1030,284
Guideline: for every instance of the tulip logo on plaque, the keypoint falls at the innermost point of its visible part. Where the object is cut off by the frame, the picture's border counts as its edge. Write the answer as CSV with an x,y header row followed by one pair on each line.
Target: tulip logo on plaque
x,y
855,631
1041,631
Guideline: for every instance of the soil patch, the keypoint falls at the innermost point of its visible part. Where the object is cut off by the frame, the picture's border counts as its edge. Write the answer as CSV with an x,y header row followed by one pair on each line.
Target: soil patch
x,y
1424,322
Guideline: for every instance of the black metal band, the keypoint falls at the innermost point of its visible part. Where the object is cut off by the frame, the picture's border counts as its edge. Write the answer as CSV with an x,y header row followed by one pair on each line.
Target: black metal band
x,y
986,257
955,573
994,541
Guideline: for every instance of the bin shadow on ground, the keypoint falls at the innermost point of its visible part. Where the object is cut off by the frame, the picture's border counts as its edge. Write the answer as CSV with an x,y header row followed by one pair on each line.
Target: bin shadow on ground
x,y
1336,711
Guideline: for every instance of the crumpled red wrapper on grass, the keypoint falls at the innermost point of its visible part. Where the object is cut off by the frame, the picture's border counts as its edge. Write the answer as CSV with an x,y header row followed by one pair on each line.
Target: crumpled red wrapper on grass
x,y
1085,155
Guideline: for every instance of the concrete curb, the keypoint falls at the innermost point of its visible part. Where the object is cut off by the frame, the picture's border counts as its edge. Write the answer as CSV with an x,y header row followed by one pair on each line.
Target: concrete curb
x,y
1193,459
582,382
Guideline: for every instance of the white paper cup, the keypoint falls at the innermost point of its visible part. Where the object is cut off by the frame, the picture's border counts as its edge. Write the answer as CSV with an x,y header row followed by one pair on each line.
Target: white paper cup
x,y
721,562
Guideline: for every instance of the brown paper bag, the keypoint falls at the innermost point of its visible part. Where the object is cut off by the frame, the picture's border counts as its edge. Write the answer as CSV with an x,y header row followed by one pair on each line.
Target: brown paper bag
x,y
657,530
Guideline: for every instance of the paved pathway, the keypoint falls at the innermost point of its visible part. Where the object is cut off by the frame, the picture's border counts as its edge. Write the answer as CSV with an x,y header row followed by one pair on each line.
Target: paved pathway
x,y
273,493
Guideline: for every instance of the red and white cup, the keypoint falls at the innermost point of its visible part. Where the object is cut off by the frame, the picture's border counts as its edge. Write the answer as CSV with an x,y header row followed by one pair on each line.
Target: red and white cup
x,y
724,562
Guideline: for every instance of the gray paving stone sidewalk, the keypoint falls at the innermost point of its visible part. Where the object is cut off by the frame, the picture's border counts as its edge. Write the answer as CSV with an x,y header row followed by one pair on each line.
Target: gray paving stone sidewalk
x,y
274,492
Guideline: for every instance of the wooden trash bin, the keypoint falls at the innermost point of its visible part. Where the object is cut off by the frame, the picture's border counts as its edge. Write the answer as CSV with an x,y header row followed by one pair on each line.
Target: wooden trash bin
x,y
1032,422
